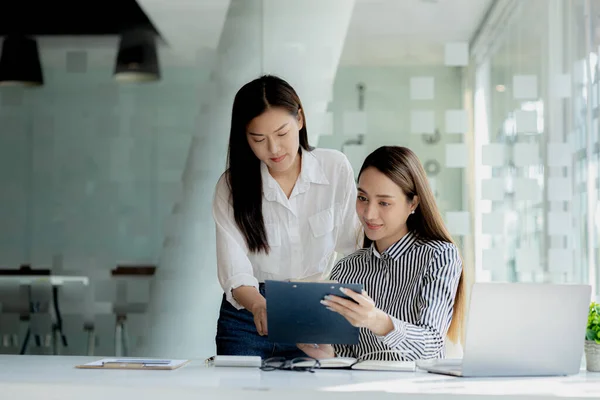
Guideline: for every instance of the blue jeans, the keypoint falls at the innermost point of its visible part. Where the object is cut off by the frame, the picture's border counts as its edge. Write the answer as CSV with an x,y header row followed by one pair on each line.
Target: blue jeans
x,y
237,335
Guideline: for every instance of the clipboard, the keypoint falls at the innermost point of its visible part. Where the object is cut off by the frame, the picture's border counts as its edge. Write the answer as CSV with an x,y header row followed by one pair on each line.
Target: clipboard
x,y
134,363
295,313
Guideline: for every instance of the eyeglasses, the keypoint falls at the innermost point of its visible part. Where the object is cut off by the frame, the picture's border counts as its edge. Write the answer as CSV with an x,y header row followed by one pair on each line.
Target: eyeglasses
x,y
281,363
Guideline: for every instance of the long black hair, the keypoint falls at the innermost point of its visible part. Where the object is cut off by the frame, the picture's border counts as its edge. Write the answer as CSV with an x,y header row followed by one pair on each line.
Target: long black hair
x,y
243,167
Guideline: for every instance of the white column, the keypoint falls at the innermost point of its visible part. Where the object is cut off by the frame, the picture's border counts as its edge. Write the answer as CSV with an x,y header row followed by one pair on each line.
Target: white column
x,y
302,43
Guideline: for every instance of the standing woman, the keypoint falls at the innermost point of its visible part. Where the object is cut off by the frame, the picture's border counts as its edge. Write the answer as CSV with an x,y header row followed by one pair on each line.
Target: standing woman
x,y
282,210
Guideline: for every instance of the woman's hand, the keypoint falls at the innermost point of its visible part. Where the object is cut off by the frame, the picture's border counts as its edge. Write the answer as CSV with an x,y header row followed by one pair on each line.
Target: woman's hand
x,y
318,351
251,299
361,315
259,311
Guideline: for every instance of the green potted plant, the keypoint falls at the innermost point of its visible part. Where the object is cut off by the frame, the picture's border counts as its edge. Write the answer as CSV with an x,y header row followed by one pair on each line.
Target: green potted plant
x,y
592,339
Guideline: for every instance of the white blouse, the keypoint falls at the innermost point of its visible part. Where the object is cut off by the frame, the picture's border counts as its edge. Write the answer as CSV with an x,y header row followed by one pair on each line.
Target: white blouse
x,y
304,232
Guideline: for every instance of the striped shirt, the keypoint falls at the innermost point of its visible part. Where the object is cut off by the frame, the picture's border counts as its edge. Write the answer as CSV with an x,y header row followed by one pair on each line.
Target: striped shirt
x,y
414,282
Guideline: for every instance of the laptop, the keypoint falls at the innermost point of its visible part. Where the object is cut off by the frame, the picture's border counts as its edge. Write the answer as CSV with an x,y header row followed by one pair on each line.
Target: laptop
x,y
521,329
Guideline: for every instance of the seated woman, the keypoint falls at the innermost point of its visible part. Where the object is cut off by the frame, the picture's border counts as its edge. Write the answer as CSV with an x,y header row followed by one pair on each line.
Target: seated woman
x,y
411,270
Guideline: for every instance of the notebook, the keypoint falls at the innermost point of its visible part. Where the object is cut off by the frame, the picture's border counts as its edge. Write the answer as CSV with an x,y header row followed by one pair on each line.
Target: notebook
x,y
366,365
295,313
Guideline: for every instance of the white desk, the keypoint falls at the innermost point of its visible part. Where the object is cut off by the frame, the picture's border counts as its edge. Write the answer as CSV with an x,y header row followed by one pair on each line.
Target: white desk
x,y
55,377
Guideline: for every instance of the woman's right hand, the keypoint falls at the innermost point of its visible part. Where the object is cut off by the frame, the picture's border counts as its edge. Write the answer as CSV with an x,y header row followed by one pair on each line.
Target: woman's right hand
x,y
251,299
259,310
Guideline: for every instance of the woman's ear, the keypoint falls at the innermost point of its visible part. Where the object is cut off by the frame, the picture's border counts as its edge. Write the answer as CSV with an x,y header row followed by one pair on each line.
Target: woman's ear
x,y
300,119
415,202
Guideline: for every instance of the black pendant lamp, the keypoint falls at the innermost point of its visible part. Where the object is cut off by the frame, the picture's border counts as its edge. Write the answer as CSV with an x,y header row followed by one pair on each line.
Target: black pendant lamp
x,y
20,62
137,59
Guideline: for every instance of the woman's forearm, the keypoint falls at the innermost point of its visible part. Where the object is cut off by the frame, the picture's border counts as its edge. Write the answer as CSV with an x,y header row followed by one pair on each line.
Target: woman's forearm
x,y
248,297
382,324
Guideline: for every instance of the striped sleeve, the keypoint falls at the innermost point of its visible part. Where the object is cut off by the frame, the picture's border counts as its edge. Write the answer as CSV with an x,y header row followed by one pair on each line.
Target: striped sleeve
x,y
425,339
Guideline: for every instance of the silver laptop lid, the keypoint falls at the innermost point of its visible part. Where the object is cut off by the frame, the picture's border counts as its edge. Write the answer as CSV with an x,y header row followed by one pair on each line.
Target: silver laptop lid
x,y
525,329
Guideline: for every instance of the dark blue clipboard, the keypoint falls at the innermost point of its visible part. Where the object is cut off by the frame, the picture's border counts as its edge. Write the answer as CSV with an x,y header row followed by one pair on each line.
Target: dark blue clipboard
x,y
295,313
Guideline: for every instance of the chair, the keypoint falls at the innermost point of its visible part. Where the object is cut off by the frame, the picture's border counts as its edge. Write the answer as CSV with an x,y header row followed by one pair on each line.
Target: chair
x,y
10,332
127,277
33,303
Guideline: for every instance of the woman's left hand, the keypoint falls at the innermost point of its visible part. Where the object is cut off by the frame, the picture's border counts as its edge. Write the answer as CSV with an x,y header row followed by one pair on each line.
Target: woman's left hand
x,y
362,314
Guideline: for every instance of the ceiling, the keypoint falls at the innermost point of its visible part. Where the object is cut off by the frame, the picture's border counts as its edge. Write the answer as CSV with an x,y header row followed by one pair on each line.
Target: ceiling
x,y
381,32
188,24
409,32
